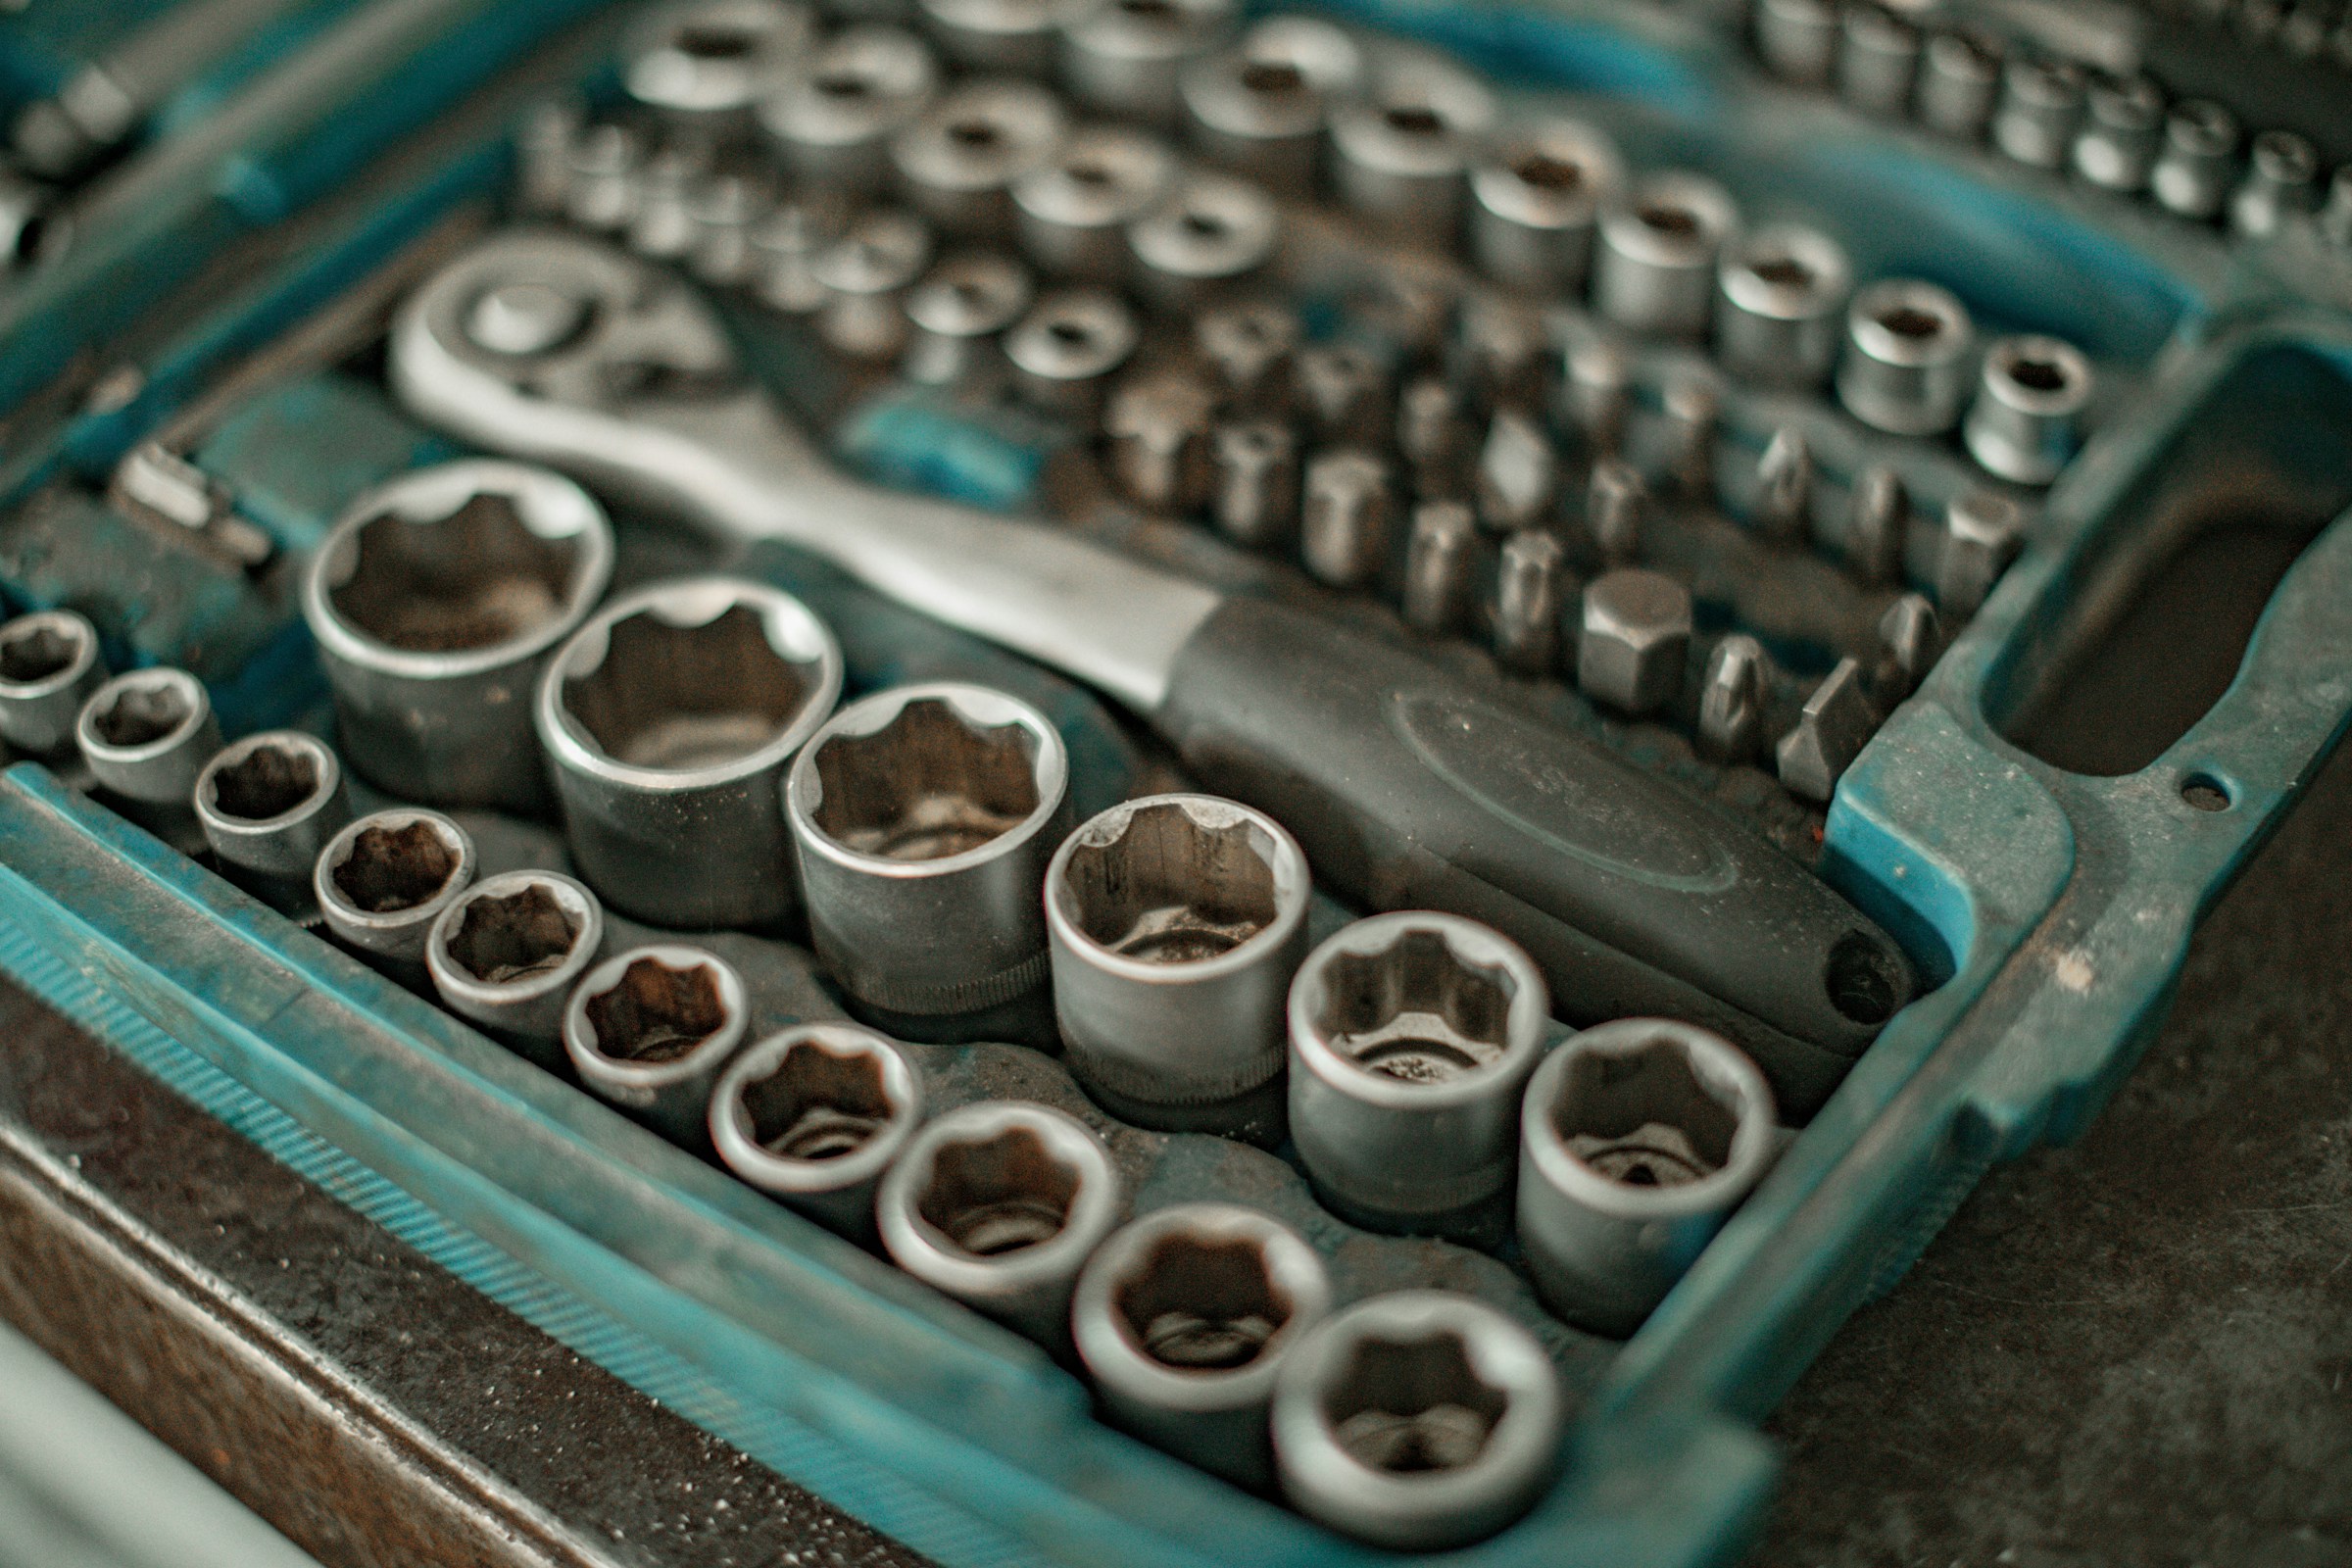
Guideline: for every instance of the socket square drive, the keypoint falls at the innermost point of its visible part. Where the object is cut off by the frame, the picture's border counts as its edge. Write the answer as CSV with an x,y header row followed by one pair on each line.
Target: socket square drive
x,y
814,1115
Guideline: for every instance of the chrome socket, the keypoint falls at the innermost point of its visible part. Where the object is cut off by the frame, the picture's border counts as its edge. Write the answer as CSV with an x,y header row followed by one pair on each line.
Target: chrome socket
x,y
1344,517
925,816
2197,169
436,598
814,1116
706,63
2024,425
1417,1420
49,665
385,878
1654,267
668,721
786,245
604,180
1072,210
1000,1204
1616,503
268,805
1535,198
1210,232
1639,1139
863,278
543,157
1412,1036
1959,82
649,1030
1124,57
1176,922
959,160
2039,113
1183,1319
959,316
1635,640
146,735
1066,349
1878,61
505,952
1441,567
1780,314
2283,182
1258,109
1342,394
1528,601
988,36
1909,351
1797,39
832,126
2123,133
1401,155
1253,483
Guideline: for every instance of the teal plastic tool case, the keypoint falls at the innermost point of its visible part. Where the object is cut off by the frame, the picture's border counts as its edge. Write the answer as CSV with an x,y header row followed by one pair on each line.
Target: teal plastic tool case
x,y
2047,909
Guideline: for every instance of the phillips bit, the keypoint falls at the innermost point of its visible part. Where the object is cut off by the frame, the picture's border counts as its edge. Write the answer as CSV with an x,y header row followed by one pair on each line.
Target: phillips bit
x,y
1731,703
1614,501
1830,732
1876,532
1343,391
1157,429
1249,348
1346,526
1909,639
1783,508
1527,603
1518,473
1439,564
1254,482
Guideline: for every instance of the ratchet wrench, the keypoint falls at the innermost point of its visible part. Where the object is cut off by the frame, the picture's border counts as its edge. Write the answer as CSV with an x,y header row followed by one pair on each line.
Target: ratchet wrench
x,y
1408,788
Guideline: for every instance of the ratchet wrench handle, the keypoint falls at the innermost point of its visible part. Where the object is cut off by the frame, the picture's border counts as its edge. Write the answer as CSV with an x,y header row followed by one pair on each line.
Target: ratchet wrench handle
x,y
1410,789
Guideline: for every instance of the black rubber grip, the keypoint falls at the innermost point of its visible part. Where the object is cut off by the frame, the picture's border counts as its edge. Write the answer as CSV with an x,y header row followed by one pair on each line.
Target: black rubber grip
x,y
1411,790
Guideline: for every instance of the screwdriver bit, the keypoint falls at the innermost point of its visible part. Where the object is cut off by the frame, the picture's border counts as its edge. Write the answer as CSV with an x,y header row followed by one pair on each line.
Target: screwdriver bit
x,y
1527,603
1877,530
1614,501
1253,484
1440,566
1518,473
1830,732
1345,524
1731,703
1782,509
1157,430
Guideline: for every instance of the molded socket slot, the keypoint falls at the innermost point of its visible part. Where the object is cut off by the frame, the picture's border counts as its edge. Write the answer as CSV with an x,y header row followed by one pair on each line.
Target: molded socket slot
x,y
684,697
927,785
267,781
1644,1118
1202,1306
657,1014
503,940
1170,890
1413,1406
998,1195
817,1105
394,868
1416,1011
474,579
1863,978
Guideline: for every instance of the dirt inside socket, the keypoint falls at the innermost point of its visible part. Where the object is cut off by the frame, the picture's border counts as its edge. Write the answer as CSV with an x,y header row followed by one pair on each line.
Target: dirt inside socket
x,y
1199,1305
1413,1406
818,1105
677,697
266,782
394,868
998,1195
1172,889
1416,1010
1646,1117
506,938
657,1014
474,579
927,785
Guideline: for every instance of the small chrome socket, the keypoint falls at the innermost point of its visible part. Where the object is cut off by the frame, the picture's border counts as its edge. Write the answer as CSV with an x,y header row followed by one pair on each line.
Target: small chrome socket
x,y
1653,269
2025,425
1400,154
832,126
786,245
1259,108
1175,924
505,952
1878,61
436,598
703,64
2123,133
1535,199
385,878
268,805
1019,36
1411,1037
1124,57
959,160
2281,183
1000,1204
2197,168
924,817
1780,318
1909,353
1072,210
862,280
814,1115
668,721
1959,82
1797,39
1638,1139
146,735
1210,232
50,663
1066,351
1417,1421
651,1029
1634,641
2040,110
1184,1318
958,316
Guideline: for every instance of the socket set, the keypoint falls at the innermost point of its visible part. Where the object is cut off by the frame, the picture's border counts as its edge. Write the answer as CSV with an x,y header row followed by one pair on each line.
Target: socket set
x,y
1162,785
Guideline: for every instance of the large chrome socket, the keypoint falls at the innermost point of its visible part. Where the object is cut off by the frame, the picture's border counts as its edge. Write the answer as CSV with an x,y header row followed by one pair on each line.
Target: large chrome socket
x,y
668,721
1639,1139
507,952
268,805
1653,269
1909,356
436,596
1124,57
49,665
815,1115
1259,108
384,880
1412,1036
925,818
1417,1420
1000,1204
1185,1317
1176,922
146,735
651,1029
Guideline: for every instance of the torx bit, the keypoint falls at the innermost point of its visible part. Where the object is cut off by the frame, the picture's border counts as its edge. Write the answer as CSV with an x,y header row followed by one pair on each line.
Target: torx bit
x,y
1433,436
1249,348
1830,732
1518,473
1440,564
1253,484
1731,703
1527,603
1157,429
1614,499
1344,528
1877,530
1343,392
1783,508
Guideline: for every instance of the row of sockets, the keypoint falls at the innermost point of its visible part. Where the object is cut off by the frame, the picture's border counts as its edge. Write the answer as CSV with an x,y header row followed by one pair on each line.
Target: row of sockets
x,y
2191,158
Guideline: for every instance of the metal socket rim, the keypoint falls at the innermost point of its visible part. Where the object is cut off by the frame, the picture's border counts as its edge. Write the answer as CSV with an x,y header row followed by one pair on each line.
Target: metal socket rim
x,y
111,760
1717,1066
583,1041
1105,1338
894,72
1099,178
1705,217
1073,337
225,829
1920,335
735,1134
59,685
1422,119
931,1255
667,69
1209,227
979,136
546,504
404,925
1316,59
1285,861
1430,1508
1470,945
1520,181
2029,394
468,993
1785,272
686,603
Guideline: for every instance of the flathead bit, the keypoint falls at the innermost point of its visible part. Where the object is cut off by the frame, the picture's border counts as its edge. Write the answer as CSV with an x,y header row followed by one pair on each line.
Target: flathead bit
x,y
1518,473
1614,501
1982,530
1157,430
1694,411
1253,491
1433,436
1837,723
1730,705
1440,562
1909,640
1881,521
1527,603
1249,349
1345,529
1782,509
1596,391
1343,391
